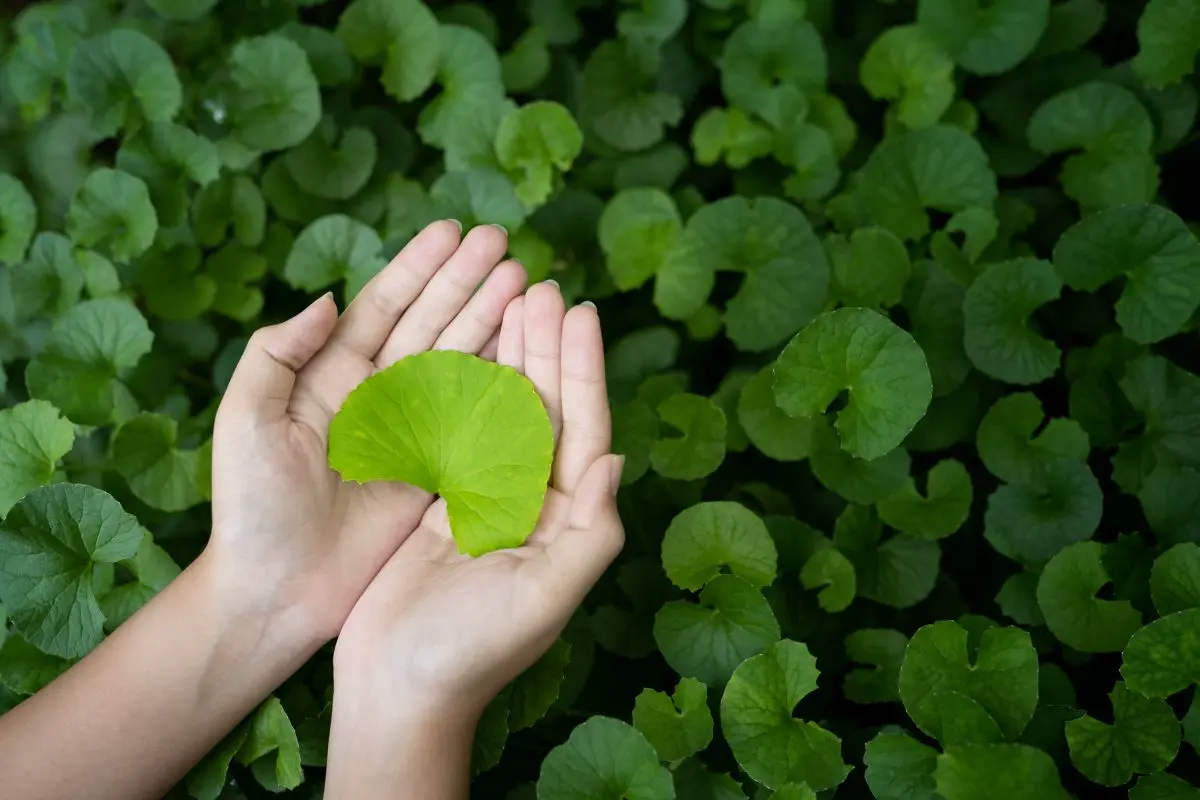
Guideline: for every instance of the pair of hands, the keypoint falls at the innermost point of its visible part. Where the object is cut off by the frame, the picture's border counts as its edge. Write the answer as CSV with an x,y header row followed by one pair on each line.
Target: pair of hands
x,y
375,564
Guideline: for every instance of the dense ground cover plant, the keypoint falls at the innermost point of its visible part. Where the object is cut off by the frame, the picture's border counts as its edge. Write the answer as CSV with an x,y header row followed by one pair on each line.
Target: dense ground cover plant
x,y
901,299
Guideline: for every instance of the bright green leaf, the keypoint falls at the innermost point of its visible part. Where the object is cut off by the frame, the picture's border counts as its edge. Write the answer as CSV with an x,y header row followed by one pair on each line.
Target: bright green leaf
x,y
907,65
677,726
540,141
145,452
604,759
330,249
33,437
707,537
637,230
407,422
18,219
701,447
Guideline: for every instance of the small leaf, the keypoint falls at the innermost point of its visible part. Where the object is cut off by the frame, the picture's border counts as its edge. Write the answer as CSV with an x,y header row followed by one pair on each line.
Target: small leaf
x,y
883,649
540,141
940,512
330,249
731,622
275,102
775,433
762,57
86,354
1066,594
729,134
123,78
604,759
49,543
870,268
1168,39
900,768
637,230
618,102
404,35
33,437
112,211
708,536
940,167
771,745
907,65
1032,523
1010,450
404,424
1099,118
1175,579
899,572
701,448
858,351
1163,658
331,166
1156,254
996,310
678,726
830,569
985,37
145,452
1144,737
235,202
271,734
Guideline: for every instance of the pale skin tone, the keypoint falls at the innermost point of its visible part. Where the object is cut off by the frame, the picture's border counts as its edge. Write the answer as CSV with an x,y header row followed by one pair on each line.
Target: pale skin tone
x,y
297,557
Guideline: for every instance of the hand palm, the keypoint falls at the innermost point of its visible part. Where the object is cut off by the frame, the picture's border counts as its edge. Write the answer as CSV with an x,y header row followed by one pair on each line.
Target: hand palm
x,y
469,625
277,507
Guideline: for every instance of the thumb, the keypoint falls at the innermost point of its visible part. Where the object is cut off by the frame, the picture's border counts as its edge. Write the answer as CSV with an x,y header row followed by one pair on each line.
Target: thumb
x,y
579,555
265,375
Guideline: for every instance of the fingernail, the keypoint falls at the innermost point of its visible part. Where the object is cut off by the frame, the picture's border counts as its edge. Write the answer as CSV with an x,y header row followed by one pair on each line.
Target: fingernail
x,y
321,299
551,282
457,224
589,304
503,229
617,467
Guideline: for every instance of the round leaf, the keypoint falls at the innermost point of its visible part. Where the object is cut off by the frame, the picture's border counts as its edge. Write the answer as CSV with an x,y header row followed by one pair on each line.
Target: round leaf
x,y
408,423
760,58
123,78
861,352
85,356
940,512
1156,253
907,65
334,170
1168,39
145,452
773,432
1175,579
771,745
50,543
941,168
330,249
1066,593
275,102
871,268
1163,658
831,570
539,140
617,101
851,477
477,197
604,759
1101,118
983,36
33,437
1144,737
997,770
883,649
637,230
708,536
1002,677
996,311
1032,523
787,275
678,726
701,448
707,641
403,34
112,211
1010,450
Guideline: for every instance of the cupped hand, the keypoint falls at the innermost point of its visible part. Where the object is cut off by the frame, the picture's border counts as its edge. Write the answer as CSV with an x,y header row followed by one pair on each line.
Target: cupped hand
x,y
288,534
448,631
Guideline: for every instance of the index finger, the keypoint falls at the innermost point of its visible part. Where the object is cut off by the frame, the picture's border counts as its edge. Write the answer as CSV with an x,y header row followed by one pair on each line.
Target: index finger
x,y
587,423
370,318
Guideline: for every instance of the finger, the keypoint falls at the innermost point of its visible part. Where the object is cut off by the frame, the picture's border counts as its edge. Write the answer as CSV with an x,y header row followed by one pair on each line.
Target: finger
x,y
265,375
476,324
543,347
510,349
446,295
587,426
490,350
577,557
377,308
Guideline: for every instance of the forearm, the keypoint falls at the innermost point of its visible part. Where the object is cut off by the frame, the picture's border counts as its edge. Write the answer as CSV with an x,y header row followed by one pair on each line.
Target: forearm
x,y
150,701
384,746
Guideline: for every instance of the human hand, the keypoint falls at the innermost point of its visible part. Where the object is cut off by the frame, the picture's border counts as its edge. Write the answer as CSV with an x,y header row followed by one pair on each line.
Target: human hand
x,y
440,634
289,537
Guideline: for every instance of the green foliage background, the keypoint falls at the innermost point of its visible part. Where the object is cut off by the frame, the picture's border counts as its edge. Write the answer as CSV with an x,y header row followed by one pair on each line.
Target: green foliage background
x,y
901,305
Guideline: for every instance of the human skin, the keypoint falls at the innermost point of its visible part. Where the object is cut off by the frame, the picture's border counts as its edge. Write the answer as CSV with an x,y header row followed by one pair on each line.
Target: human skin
x,y
292,546
437,635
